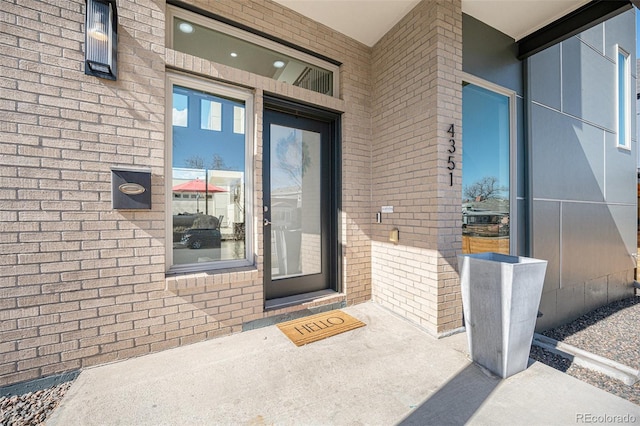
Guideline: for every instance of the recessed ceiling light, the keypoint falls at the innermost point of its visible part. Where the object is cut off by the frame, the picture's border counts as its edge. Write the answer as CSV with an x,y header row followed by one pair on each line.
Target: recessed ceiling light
x,y
186,27
278,64
234,55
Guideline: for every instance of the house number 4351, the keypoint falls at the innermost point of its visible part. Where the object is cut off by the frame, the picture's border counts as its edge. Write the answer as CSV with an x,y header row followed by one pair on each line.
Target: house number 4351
x,y
451,165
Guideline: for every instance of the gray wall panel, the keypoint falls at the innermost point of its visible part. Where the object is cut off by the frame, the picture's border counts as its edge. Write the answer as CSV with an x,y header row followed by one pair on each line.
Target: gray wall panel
x,y
594,37
588,84
625,219
546,240
620,167
545,77
520,147
593,241
490,54
621,30
548,308
595,292
521,250
570,303
567,157
619,287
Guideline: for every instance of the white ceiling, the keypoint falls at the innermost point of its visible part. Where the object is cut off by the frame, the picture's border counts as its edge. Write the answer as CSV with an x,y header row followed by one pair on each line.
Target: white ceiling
x,y
368,20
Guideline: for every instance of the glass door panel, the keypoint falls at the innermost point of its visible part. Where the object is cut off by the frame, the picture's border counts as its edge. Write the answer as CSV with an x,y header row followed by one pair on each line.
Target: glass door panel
x,y
296,245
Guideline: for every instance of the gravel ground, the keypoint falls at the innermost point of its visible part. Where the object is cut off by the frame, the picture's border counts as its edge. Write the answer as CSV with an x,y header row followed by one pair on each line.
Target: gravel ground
x,y
31,408
610,331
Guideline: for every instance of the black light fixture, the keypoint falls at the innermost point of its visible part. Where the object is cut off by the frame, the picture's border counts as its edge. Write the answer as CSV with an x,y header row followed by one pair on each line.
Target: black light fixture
x,y
101,39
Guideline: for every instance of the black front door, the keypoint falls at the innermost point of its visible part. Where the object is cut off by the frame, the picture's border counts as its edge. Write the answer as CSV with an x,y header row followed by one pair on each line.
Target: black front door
x,y
300,240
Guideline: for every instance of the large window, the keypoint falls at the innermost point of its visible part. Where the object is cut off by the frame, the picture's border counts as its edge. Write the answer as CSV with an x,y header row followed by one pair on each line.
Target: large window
x,y
206,38
207,175
624,100
487,217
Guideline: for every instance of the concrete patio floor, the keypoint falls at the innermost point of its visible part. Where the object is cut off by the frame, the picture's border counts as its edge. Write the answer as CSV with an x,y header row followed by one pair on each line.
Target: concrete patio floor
x,y
385,373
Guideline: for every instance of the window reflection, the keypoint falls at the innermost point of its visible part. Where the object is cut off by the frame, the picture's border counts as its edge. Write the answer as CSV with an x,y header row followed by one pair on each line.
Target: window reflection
x,y
485,177
208,170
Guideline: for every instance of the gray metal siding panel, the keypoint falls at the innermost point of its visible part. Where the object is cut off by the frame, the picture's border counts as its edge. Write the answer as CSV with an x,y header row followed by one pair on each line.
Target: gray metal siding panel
x,y
567,157
621,30
521,250
620,167
545,77
594,37
593,241
546,240
520,146
583,186
588,84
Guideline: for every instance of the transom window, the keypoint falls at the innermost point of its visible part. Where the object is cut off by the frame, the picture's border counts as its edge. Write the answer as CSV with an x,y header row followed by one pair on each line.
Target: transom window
x,y
208,175
209,39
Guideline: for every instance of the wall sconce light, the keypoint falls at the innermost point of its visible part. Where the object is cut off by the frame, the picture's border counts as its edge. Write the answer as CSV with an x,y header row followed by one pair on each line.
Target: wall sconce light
x,y
101,39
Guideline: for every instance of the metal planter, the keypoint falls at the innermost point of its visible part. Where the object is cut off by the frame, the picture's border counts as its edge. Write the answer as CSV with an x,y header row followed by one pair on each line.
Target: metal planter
x,y
500,298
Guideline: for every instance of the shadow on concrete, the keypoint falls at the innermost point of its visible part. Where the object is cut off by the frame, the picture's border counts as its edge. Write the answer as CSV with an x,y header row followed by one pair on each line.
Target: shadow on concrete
x,y
456,401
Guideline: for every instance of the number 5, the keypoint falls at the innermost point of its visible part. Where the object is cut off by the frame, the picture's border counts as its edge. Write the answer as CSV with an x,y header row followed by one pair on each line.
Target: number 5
x,y
451,165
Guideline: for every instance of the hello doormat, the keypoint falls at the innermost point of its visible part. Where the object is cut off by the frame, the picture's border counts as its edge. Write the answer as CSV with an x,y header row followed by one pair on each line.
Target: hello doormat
x,y
320,326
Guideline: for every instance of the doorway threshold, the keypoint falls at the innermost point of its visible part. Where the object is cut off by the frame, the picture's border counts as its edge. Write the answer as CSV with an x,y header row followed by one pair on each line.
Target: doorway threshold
x,y
334,300
298,299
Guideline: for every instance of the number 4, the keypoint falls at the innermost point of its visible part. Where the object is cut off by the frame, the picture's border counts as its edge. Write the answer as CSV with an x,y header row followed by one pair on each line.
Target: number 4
x,y
452,130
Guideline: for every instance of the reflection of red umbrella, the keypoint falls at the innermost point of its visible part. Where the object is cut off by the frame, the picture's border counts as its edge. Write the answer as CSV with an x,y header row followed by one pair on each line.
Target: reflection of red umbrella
x,y
197,185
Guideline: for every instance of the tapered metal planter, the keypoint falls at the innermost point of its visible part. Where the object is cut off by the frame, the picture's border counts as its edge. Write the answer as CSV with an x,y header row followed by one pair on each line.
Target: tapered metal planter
x,y
500,298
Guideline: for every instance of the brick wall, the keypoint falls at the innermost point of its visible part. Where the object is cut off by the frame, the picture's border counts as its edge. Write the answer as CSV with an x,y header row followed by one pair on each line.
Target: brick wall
x,y
82,284
417,95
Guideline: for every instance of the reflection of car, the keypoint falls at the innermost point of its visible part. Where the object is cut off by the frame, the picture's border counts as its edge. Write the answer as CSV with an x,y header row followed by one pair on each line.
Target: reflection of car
x,y
199,238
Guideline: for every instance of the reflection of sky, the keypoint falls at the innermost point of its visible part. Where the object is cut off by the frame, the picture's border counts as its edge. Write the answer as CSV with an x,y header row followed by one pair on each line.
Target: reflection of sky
x,y
485,130
622,104
192,141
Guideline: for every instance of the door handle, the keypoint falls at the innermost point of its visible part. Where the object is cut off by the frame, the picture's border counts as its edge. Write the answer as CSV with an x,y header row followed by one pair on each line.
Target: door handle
x,y
267,222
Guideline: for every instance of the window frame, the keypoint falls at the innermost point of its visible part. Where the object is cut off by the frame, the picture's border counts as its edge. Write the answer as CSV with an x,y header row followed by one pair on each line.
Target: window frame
x,y
623,118
226,91
174,11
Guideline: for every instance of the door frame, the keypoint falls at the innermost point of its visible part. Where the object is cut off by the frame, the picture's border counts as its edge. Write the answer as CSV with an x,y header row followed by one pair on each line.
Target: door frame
x,y
334,250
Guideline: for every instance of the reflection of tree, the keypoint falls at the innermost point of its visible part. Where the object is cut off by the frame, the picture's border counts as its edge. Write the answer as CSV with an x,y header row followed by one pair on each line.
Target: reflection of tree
x,y
484,189
197,162
293,157
194,162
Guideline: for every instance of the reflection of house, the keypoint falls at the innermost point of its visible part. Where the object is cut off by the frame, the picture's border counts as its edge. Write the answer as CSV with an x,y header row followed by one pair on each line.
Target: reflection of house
x,y
486,218
285,205
485,223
